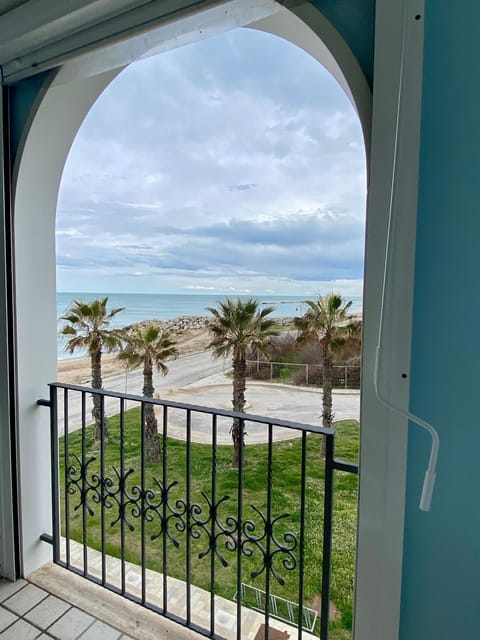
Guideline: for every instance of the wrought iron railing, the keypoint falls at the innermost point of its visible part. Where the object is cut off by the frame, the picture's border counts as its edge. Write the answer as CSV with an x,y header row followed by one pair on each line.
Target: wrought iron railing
x,y
166,534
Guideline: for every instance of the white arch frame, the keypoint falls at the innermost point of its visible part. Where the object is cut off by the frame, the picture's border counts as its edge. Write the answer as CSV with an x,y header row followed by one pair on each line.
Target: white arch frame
x,y
53,127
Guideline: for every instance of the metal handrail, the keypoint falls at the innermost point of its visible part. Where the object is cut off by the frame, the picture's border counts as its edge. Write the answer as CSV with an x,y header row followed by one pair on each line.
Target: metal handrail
x,y
90,487
225,413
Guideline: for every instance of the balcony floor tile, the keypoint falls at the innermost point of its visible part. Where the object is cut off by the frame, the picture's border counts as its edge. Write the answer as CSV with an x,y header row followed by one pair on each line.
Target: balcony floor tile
x,y
8,588
71,625
28,612
20,630
25,599
101,630
47,612
7,618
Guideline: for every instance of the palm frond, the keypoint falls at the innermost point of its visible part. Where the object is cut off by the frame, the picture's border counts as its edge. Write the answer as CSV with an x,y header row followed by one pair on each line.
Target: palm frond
x,y
87,323
325,317
238,325
148,344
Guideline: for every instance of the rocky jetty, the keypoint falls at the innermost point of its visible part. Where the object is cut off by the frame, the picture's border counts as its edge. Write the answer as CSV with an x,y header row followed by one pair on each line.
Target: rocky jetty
x,y
176,325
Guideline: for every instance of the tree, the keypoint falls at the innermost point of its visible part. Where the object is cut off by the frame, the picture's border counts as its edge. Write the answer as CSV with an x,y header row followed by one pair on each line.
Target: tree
x,y
150,347
238,327
87,329
325,321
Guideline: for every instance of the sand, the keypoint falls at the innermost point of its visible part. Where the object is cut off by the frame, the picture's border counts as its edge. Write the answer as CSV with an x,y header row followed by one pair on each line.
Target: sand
x,y
77,370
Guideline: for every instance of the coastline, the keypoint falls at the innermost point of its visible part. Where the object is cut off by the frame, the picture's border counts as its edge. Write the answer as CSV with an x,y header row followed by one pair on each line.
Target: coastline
x,y
78,371
191,335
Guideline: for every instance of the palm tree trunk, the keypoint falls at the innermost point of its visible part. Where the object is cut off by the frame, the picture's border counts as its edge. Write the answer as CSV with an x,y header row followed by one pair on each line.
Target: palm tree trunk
x,y
327,414
96,364
239,376
151,426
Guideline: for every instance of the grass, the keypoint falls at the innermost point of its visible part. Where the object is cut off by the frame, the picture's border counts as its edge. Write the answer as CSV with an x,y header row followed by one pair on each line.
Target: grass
x,y
286,482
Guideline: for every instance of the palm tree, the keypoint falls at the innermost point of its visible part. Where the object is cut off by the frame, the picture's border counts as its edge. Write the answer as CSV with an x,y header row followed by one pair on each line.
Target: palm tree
x,y
87,328
237,327
325,321
149,346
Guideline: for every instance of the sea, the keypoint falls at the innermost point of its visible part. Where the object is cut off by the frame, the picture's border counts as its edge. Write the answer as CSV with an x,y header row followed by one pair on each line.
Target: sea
x,y
166,306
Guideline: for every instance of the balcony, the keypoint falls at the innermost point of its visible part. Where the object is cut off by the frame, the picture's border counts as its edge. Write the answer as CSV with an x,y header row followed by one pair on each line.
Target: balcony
x,y
222,551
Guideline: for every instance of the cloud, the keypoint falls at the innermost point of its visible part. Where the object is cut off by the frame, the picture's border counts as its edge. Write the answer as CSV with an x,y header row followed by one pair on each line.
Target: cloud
x,y
242,187
199,287
215,162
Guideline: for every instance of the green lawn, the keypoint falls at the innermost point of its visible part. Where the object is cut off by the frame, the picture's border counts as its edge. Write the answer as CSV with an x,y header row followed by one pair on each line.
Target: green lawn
x,y
286,482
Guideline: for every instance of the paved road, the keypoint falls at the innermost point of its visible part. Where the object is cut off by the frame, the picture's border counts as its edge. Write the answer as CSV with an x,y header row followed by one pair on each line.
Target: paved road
x,y
185,370
277,401
200,380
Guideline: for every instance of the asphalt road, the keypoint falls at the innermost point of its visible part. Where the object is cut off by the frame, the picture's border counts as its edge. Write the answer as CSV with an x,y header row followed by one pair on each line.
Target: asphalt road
x,y
277,401
184,371
200,379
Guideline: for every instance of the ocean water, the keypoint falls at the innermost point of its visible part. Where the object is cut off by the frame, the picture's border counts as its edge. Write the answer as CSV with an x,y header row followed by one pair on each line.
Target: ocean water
x,y
165,306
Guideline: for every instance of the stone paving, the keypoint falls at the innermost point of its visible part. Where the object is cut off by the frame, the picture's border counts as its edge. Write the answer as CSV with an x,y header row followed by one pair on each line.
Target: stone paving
x,y
226,610
28,612
277,401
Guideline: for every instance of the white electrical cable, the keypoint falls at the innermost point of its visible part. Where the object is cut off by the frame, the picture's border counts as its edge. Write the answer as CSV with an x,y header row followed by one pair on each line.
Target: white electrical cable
x,y
430,474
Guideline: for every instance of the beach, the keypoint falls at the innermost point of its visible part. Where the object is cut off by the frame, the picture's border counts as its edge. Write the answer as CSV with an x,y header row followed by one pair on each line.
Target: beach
x,y
78,370
191,335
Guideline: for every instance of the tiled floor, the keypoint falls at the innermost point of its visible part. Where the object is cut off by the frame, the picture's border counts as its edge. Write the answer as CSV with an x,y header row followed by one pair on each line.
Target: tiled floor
x,y
56,603
28,612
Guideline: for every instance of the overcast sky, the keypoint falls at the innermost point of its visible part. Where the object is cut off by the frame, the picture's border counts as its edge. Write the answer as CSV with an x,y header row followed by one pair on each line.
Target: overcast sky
x,y
232,165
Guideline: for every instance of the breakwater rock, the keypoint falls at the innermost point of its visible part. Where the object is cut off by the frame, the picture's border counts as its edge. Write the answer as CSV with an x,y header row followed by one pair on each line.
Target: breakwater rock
x,y
189,323
176,325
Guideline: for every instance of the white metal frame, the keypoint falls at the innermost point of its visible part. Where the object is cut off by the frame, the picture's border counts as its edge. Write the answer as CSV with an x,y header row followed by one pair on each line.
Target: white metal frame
x,y
7,507
383,455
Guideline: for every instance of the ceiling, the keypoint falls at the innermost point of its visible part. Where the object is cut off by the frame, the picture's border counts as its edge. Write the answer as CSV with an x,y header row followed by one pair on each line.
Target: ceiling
x,y
40,34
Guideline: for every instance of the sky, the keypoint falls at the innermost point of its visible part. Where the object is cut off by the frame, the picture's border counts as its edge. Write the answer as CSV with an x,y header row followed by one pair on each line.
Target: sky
x,y
232,165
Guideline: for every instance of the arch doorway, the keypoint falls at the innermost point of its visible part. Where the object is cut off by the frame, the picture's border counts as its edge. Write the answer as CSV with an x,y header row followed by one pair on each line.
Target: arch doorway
x,y
55,116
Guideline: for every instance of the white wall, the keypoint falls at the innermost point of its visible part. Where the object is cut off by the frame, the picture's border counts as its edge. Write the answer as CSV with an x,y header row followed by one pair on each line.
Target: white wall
x,y
38,177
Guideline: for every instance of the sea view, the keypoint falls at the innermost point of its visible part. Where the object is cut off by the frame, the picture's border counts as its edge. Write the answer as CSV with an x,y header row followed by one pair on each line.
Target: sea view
x,y
164,306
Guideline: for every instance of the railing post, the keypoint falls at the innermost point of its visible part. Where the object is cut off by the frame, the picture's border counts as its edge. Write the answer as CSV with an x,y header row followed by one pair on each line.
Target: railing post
x,y
327,536
240,528
301,567
55,474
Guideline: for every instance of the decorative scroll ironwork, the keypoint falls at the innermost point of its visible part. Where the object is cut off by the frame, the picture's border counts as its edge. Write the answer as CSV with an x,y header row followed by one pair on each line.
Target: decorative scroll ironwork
x,y
221,534
252,540
175,514
118,491
77,481
126,503
226,530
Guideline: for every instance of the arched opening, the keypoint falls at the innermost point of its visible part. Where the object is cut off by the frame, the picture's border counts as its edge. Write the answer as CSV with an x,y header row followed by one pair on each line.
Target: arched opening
x,y
188,195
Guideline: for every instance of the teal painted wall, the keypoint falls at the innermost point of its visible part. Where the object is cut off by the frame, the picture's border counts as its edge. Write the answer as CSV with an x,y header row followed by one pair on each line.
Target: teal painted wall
x,y
441,581
22,99
355,21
